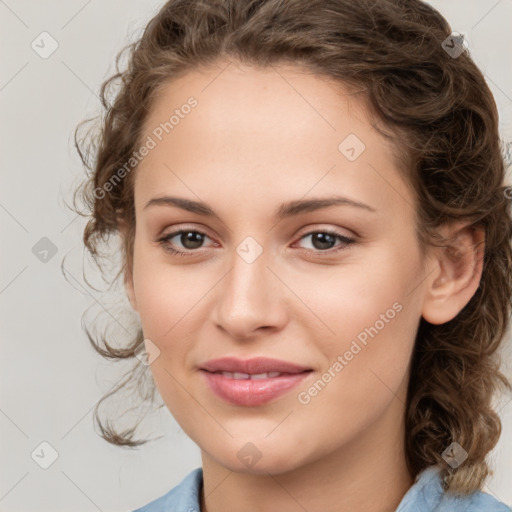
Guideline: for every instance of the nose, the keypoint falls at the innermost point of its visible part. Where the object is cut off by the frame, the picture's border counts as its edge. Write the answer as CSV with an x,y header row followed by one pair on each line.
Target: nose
x,y
250,299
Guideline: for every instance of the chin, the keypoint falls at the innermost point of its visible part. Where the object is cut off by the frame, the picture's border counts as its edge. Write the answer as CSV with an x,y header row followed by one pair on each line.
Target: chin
x,y
262,467
259,458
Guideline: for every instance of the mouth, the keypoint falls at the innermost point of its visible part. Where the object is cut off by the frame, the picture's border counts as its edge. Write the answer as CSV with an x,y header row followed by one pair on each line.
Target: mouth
x,y
253,376
252,382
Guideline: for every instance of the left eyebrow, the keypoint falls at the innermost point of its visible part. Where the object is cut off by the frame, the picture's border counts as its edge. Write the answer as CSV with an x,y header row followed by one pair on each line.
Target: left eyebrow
x,y
288,209
309,205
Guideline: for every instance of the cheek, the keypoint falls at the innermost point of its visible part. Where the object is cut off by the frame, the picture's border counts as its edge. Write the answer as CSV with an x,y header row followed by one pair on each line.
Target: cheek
x,y
366,364
165,301
372,319
367,290
163,292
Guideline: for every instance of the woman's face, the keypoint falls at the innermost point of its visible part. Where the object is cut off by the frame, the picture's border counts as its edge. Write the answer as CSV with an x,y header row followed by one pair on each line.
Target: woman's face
x,y
266,270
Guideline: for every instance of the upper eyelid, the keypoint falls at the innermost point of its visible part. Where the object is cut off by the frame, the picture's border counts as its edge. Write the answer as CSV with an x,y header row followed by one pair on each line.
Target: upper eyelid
x,y
309,232
172,234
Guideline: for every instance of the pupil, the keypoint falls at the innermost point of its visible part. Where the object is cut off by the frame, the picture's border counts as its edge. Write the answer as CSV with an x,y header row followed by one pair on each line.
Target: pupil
x,y
325,240
191,240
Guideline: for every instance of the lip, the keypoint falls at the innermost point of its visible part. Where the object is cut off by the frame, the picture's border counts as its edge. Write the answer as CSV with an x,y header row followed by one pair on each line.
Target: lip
x,y
252,392
252,366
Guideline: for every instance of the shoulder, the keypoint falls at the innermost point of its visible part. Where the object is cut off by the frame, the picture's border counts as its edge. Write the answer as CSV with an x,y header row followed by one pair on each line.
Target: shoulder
x,y
481,501
182,498
427,495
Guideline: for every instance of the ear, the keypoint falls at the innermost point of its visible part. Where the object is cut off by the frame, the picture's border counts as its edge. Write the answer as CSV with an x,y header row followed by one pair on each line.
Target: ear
x,y
127,271
457,272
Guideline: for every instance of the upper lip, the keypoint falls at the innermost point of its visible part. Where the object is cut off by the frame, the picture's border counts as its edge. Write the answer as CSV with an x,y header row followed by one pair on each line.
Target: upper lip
x,y
252,366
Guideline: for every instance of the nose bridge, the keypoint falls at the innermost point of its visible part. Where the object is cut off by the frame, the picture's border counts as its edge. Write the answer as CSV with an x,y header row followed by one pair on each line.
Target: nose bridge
x,y
248,298
248,278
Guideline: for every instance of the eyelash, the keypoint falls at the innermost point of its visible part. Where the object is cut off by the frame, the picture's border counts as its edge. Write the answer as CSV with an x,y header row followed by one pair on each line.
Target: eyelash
x,y
346,240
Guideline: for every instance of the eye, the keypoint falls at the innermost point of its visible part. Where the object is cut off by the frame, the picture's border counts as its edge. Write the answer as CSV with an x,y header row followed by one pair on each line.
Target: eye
x,y
323,241
190,239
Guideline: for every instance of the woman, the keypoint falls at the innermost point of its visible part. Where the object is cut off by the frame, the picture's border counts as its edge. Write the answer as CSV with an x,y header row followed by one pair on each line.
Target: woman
x,y
317,239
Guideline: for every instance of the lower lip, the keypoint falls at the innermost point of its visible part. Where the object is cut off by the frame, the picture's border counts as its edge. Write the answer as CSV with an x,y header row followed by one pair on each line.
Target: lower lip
x,y
249,392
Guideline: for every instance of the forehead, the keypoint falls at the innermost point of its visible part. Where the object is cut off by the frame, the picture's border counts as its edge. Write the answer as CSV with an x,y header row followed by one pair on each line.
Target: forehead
x,y
266,129
231,96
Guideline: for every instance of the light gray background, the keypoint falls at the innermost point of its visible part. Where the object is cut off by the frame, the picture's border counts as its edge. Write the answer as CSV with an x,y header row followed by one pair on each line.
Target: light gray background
x,y
51,378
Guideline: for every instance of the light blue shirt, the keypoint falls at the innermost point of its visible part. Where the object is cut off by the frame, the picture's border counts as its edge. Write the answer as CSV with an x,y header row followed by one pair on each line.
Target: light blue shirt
x,y
425,495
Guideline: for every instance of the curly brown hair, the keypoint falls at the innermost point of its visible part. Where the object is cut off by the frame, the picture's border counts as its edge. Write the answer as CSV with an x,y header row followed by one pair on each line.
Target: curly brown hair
x,y
443,120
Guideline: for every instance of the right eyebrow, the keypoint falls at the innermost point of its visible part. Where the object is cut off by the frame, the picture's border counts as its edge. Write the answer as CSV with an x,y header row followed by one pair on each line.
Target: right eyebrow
x,y
185,204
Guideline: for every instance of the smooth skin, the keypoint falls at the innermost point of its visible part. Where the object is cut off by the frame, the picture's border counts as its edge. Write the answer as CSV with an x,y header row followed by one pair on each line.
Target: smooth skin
x,y
259,138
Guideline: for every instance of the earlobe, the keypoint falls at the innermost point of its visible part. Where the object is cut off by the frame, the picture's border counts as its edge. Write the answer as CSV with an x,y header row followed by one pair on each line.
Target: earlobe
x,y
457,271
